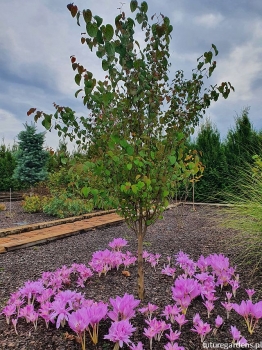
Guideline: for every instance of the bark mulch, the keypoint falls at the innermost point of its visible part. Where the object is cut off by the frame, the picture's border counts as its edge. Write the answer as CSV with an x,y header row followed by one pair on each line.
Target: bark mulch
x,y
193,232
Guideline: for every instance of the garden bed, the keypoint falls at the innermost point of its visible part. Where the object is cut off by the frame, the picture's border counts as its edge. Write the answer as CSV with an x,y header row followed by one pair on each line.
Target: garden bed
x,y
193,232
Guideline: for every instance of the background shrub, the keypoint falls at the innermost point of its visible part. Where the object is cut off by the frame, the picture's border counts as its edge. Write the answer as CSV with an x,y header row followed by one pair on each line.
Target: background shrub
x,y
34,204
64,206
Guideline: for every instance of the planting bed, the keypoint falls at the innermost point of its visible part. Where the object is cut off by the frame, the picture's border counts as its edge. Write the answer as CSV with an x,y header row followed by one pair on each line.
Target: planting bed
x,y
193,232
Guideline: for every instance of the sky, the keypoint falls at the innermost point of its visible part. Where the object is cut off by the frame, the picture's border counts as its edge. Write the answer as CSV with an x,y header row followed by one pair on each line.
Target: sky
x,y
37,38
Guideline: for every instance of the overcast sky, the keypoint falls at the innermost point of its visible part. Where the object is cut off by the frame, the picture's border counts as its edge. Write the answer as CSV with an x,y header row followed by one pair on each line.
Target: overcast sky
x,y
37,38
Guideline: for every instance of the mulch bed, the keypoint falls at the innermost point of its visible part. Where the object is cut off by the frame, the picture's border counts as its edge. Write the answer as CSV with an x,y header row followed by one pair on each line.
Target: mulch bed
x,y
193,232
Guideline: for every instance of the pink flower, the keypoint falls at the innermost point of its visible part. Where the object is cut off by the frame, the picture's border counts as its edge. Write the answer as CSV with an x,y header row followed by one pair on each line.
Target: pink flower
x,y
170,311
148,310
117,244
202,329
78,321
8,311
181,320
139,346
120,331
210,306
173,336
218,321
235,333
123,308
250,293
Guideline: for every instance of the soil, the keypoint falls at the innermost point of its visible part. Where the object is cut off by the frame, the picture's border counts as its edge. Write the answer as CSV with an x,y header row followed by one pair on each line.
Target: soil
x,y
15,216
194,232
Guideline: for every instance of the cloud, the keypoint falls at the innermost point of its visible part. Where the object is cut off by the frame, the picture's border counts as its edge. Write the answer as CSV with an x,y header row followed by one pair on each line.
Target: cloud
x,y
209,20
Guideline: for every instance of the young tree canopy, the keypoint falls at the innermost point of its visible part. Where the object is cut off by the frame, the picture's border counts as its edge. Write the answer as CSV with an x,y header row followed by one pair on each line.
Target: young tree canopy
x,y
139,117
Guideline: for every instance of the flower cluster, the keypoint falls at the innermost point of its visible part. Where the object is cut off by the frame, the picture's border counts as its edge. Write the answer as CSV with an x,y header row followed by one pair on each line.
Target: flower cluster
x,y
50,299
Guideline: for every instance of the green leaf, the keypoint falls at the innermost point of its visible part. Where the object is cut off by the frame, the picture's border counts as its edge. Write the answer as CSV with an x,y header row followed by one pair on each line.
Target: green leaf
x,y
77,92
129,166
110,48
108,32
139,17
144,7
107,98
172,160
215,49
99,38
78,79
47,122
85,191
133,5
99,20
134,189
91,29
105,65
130,150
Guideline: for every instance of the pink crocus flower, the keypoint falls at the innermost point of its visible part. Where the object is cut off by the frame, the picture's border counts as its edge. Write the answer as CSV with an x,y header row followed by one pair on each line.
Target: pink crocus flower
x,y
9,310
218,321
169,271
250,293
173,336
196,319
78,321
95,313
235,285
181,320
171,311
120,333
202,329
139,346
228,306
251,313
209,306
123,307
118,243
236,335
148,310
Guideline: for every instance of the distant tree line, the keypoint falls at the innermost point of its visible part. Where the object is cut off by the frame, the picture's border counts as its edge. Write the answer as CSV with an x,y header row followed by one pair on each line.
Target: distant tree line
x,y
225,161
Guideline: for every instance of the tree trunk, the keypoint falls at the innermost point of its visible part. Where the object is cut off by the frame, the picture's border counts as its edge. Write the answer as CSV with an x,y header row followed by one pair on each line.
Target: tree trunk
x,y
140,280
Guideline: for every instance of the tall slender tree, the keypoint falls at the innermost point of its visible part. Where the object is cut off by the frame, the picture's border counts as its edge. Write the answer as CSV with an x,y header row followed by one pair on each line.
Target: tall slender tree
x,y
139,118
31,158
209,145
242,142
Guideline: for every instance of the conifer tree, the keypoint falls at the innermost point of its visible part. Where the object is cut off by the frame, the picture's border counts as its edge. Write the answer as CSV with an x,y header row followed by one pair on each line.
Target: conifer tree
x,y
31,158
213,158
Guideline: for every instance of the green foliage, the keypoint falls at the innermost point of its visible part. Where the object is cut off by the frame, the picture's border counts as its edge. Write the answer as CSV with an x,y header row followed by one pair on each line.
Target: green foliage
x,y
62,206
241,144
34,204
31,158
139,118
7,167
212,155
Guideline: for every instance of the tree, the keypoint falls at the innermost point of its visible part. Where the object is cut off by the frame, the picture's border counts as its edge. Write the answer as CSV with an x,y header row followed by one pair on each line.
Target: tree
x,y
7,166
31,158
213,158
139,119
241,144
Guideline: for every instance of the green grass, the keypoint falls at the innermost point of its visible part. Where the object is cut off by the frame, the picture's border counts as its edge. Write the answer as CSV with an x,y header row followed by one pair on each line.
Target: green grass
x,y
246,218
